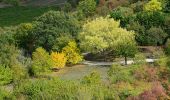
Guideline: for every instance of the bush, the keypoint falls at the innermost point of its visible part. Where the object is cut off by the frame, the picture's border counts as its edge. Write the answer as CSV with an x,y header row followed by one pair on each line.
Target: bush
x,y
124,14
42,62
118,73
103,11
146,73
47,89
87,7
63,90
59,60
5,95
6,75
140,59
125,89
156,36
93,78
61,42
167,47
150,19
72,53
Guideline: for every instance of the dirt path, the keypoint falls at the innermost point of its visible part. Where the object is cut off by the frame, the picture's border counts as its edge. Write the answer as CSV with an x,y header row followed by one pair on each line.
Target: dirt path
x,y
93,63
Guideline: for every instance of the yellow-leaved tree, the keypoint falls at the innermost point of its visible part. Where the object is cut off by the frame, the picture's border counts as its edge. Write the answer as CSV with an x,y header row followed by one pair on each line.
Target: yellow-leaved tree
x,y
153,5
59,60
102,34
72,53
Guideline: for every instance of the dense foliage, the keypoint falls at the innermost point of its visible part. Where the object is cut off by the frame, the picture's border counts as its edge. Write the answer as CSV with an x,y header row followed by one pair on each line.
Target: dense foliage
x,y
108,37
44,47
41,62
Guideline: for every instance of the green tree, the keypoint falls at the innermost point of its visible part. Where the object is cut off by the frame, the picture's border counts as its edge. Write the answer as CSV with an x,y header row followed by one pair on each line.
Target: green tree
x,y
153,5
140,31
124,14
125,45
156,36
87,7
46,30
150,19
42,62
108,36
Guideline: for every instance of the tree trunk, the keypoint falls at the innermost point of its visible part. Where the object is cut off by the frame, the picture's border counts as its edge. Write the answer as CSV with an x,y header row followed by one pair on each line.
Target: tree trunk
x,y
125,60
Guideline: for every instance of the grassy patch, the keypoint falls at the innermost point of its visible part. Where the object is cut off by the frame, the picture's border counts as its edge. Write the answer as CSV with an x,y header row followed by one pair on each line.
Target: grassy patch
x,y
16,15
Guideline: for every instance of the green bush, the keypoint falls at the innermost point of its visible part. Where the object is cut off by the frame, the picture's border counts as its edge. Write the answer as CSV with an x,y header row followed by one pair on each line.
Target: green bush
x,y
124,14
62,90
155,36
167,48
93,78
87,7
42,62
5,95
118,73
47,89
6,75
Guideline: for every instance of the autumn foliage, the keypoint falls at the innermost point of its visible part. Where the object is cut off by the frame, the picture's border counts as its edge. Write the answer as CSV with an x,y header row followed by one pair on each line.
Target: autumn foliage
x,y
59,60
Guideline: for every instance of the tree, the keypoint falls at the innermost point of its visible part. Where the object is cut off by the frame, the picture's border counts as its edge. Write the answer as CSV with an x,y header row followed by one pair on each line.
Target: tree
x,y
87,7
140,35
42,62
153,5
125,46
108,36
46,30
59,60
156,36
124,14
72,53
150,19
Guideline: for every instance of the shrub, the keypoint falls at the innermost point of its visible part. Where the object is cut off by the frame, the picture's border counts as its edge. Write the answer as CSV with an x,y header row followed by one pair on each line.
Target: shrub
x,y
72,53
156,36
146,73
5,95
93,78
124,14
87,7
47,89
118,73
157,92
103,11
140,59
9,55
61,42
167,48
6,75
59,60
125,89
150,19
41,61
153,5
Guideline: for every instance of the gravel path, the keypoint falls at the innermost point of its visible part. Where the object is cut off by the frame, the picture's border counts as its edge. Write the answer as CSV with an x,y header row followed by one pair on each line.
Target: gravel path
x,y
93,63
